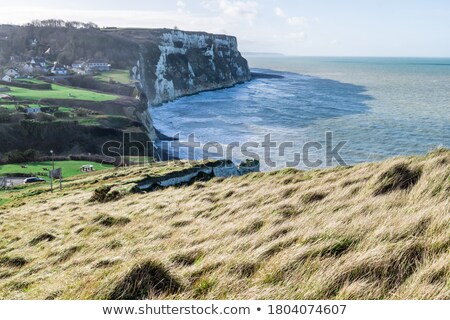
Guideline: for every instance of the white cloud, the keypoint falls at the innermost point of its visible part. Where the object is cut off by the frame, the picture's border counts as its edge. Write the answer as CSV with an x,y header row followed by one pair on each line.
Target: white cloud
x,y
118,18
292,21
296,21
180,6
239,9
279,12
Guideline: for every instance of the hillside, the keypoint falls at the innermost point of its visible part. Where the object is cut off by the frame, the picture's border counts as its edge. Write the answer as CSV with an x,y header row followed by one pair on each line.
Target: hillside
x,y
372,231
85,118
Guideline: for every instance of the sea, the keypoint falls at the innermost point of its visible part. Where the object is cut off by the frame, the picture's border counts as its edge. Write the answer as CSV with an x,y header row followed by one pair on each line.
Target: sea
x,y
317,112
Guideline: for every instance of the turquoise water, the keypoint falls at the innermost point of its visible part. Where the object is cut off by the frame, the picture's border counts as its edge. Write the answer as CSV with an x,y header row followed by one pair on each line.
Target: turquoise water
x,y
382,107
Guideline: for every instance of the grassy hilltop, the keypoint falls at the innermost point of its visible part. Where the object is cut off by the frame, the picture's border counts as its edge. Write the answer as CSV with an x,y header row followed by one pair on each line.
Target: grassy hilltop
x,y
372,231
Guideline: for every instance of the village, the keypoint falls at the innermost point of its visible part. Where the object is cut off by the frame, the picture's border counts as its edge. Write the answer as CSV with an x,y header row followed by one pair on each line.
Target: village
x,y
23,68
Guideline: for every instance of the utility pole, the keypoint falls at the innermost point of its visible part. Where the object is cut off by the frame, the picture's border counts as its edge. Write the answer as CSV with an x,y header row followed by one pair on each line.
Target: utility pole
x,y
51,173
53,159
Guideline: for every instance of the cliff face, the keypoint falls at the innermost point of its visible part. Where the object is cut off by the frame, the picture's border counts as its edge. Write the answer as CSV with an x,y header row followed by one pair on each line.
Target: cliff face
x,y
185,63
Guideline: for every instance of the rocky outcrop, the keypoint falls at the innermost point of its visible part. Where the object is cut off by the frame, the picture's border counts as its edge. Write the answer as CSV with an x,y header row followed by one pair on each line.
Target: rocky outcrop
x,y
185,63
207,171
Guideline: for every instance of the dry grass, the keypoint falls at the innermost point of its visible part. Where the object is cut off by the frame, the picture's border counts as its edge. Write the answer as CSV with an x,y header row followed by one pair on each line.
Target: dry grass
x,y
373,231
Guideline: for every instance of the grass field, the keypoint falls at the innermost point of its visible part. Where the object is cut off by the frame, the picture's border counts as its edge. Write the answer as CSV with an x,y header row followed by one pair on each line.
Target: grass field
x,y
60,92
8,106
121,76
69,168
372,231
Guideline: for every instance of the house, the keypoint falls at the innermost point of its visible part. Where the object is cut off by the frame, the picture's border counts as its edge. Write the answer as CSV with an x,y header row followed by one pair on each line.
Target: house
x,y
33,110
78,64
7,79
39,62
96,65
27,68
87,168
59,70
13,73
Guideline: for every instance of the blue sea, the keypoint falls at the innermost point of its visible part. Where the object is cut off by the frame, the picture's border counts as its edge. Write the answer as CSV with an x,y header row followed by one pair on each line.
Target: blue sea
x,y
376,107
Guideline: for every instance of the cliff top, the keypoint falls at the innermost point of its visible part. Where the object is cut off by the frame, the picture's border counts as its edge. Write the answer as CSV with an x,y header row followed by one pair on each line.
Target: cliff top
x,y
119,46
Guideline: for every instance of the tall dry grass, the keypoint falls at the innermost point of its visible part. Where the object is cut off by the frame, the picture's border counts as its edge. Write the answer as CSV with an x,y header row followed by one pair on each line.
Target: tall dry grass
x,y
373,231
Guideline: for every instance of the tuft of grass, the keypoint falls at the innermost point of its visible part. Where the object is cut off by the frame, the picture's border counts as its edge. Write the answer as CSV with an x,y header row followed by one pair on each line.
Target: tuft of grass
x,y
244,269
287,211
13,262
253,227
203,286
145,280
106,263
312,197
20,285
68,253
398,177
110,221
114,244
335,248
41,238
181,223
105,194
187,258
389,271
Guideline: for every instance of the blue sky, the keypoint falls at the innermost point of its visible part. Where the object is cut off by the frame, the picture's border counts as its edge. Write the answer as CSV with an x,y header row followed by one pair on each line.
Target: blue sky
x,y
301,27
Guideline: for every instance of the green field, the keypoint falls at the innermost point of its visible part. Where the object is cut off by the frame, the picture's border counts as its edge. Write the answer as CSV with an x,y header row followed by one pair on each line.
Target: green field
x,y
4,201
60,92
69,168
8,106
121,76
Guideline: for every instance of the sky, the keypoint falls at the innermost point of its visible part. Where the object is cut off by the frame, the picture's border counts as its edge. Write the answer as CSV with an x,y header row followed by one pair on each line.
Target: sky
x,y
405,28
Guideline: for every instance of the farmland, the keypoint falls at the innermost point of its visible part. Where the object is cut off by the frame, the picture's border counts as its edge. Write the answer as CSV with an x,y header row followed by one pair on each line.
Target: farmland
x,y
60,92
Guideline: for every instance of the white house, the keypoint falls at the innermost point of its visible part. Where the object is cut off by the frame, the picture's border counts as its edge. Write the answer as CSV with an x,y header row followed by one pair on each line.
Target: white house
x,y
7,79
77,64
33,110
59,70
97,65
13,73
